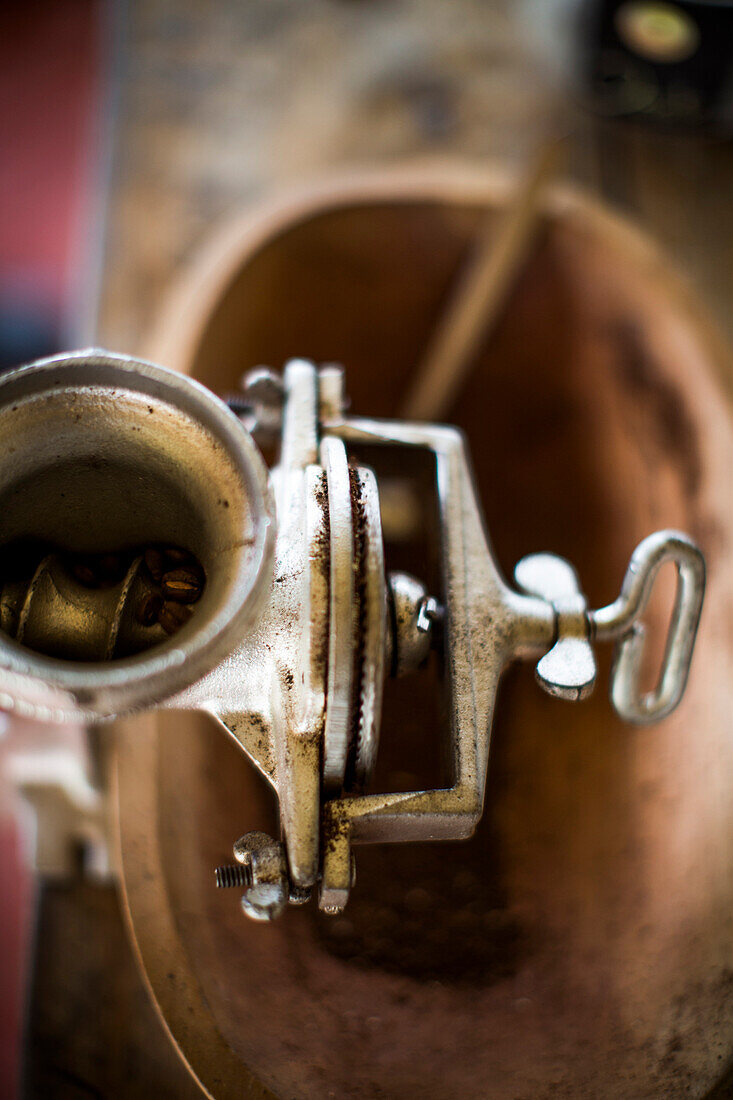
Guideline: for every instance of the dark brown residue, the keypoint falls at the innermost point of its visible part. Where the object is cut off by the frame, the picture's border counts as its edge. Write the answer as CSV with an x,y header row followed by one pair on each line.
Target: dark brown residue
x,y
323,552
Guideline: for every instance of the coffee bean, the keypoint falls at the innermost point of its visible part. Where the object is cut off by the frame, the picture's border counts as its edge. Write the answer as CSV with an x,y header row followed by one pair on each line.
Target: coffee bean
x,y
149,609
182,585
177,556
173,616
154,561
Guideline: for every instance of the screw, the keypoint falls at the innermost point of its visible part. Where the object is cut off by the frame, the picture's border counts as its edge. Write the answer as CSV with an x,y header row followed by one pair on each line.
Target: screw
x,y
428,612
413,614
233,874
259,406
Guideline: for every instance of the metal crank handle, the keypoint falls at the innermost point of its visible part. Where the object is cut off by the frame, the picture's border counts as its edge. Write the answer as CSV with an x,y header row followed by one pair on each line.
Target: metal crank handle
x,y
568,670
621,620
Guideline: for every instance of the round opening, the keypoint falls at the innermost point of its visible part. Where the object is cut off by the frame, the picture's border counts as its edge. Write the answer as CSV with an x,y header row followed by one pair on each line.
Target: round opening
x,y
134,532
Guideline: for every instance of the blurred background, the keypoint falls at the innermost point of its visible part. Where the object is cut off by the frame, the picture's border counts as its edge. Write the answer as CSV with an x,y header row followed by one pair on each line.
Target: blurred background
x,y
131,131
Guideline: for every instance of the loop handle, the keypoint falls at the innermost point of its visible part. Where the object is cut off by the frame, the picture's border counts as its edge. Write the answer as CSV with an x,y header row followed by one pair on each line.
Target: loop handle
x,y
621,620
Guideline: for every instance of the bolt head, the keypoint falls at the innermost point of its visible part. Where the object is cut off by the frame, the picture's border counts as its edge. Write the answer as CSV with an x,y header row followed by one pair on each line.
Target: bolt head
x,y
299,895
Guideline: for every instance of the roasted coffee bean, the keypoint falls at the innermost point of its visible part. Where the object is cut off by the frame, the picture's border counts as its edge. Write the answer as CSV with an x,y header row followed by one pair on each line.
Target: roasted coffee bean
x,y
173,616
153,559
177,556
149,609
182,585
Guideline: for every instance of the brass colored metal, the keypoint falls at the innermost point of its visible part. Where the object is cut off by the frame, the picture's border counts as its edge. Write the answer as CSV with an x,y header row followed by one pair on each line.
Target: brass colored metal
x,y
90,610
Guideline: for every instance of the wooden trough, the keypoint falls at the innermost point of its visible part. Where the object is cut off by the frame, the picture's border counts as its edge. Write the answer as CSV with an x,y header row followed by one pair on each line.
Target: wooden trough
x,y
582,943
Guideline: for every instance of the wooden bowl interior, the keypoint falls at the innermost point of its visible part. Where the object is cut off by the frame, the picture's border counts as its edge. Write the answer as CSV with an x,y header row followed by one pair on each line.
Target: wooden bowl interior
x,y
501,958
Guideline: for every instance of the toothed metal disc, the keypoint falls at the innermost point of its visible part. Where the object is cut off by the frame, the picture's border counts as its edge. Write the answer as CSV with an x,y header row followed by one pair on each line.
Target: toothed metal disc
x,y
371,598
342,617
357,621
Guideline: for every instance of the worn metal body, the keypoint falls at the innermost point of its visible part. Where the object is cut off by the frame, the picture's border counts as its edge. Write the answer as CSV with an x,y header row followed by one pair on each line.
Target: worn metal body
x,y
299,622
